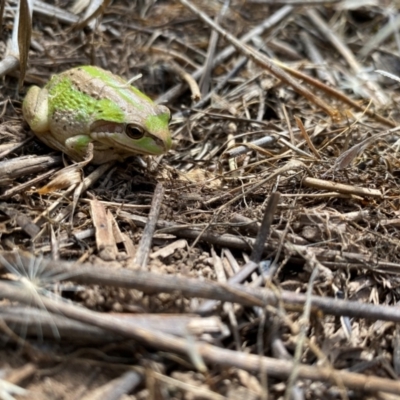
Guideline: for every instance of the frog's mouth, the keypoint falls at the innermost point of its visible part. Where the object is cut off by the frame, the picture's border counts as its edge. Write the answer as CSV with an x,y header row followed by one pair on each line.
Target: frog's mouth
x,y
114,135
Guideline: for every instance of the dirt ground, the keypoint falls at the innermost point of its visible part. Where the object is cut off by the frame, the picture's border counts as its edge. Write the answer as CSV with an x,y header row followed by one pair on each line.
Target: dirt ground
x,y
256,259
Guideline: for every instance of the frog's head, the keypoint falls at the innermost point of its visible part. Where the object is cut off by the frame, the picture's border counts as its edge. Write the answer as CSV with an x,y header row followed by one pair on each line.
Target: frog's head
x,y
136,135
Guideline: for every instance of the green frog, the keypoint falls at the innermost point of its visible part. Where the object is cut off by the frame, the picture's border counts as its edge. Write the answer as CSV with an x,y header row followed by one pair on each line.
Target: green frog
x,y
90,105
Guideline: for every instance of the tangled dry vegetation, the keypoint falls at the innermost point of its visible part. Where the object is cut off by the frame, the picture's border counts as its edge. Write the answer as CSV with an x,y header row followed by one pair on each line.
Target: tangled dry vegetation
x,y
258,258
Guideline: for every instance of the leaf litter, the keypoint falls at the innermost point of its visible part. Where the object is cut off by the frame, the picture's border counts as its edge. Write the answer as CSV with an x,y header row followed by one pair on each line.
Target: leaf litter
x,y
259,257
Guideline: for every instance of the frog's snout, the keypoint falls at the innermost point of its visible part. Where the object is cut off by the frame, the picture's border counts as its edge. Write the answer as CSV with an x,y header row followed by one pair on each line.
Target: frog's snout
x,y
164,144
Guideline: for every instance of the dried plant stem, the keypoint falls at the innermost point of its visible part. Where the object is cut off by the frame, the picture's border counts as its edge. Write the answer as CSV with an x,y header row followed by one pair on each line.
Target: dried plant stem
x,y
341,188
211,354
268,23
258,250
304,323
333,38
116,388
157,283
307,138
352,259
265,228
142,255
335,93
194,88
261,60
313,53
381,35
292,164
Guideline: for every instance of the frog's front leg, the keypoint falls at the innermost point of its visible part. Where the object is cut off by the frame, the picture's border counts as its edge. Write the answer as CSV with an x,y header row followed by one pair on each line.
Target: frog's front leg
x,y
77,147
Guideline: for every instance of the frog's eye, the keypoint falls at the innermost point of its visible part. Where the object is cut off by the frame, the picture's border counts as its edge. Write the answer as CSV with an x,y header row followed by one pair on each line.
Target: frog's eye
x,y
134,132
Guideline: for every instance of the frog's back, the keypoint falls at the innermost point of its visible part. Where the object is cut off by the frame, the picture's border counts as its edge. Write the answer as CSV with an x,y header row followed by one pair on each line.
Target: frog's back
x,y
99,94
121,87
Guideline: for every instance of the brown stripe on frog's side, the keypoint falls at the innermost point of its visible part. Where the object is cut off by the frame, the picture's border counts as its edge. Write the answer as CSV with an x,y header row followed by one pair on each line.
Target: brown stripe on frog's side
x,y
115,87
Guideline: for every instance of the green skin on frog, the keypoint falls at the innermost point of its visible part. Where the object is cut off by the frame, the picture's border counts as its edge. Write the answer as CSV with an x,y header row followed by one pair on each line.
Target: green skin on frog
x,y
90,105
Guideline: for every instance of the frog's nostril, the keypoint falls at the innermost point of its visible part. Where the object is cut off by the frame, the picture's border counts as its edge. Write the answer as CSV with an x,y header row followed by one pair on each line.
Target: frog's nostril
x,y
164,144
